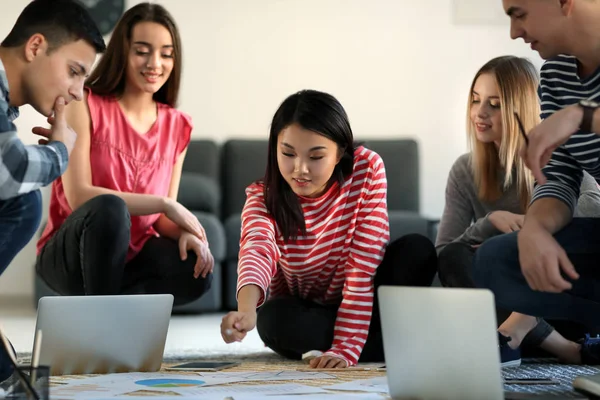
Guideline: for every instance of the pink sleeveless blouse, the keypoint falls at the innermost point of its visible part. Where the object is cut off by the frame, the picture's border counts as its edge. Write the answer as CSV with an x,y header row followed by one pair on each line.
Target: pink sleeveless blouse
x,y
124,160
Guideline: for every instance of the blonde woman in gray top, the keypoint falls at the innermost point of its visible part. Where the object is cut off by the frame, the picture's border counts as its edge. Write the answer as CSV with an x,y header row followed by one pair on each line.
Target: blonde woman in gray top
x,y
489,189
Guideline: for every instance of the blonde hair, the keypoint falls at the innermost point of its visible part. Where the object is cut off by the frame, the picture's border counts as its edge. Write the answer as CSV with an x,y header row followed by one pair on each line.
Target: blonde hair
x,y
517,82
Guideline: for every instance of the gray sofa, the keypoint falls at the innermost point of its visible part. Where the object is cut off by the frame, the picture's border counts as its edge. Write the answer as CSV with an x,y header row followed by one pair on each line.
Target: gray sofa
x,y
213,186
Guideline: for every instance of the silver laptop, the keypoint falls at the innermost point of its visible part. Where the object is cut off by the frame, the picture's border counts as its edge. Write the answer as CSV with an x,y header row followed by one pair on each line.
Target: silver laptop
x,y
103,334
440,343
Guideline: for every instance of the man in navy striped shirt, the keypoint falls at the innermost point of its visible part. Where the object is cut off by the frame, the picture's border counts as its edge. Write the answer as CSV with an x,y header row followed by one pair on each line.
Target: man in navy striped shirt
x,y
551,268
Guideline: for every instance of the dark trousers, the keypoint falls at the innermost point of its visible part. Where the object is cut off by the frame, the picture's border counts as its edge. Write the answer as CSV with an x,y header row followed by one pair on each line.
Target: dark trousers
x,y
292,326
86,256
496,266
454,269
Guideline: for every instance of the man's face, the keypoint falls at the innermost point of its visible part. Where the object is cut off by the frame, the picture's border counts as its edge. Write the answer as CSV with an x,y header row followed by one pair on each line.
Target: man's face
x,y
541,23
62,72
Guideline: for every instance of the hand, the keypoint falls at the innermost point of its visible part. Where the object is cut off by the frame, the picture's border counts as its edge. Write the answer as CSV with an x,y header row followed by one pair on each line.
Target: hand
x,y
183,218
506,222
327,361
204,259
236,325
542,258
59,131
547,136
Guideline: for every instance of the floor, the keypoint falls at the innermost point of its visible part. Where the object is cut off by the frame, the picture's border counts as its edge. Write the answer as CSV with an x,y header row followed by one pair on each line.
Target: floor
x,y
188,335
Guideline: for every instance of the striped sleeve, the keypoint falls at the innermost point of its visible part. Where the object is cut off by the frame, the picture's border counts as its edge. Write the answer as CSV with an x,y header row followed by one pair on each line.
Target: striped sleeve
x,y
259,253
366,253
563,175
563,172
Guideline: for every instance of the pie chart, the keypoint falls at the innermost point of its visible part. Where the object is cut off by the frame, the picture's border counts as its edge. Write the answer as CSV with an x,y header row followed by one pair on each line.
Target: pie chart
x,y
163,383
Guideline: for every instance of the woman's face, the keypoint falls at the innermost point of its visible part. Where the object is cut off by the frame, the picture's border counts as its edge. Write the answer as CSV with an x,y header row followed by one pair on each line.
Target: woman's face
x,y
485,111
306,160
150,60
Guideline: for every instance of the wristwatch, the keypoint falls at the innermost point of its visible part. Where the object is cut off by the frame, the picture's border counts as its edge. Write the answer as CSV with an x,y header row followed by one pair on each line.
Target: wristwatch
x,y
589,107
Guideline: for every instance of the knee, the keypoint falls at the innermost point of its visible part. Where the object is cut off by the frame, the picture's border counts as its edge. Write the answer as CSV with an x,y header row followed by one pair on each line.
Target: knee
x,y
30,210
270,319
110,211
415,246
202,285
454,256
192,290
494,258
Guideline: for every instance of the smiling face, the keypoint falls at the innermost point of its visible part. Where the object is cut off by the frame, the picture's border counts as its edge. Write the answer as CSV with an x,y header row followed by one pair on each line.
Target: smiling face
x,y
306,160
540,23
150,59
485,109
58,73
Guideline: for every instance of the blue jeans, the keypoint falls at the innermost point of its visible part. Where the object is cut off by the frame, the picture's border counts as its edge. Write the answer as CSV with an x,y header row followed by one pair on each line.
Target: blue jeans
x,y
19,220
496,267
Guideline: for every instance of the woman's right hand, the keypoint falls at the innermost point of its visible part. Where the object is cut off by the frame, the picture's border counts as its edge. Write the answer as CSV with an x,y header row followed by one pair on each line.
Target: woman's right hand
x,y
236,325
506,222
184,218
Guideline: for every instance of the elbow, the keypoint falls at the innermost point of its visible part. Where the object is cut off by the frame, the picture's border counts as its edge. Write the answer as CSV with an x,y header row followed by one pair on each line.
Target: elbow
x,y
77,198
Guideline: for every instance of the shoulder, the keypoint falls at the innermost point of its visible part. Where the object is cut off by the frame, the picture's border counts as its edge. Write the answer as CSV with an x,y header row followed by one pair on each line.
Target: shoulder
x,y
178,115
255,191
462,164
461,169
366,160
559,66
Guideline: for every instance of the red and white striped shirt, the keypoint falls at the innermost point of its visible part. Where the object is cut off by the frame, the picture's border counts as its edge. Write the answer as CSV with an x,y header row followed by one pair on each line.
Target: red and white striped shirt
x,y
347,234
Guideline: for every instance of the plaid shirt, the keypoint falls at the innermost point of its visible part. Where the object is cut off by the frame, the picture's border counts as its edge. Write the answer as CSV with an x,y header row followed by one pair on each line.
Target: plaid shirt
x,y
24,168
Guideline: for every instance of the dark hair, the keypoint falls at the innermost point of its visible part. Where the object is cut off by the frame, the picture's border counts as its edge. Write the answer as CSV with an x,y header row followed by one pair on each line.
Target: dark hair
x,y
318,112
109,76
60,21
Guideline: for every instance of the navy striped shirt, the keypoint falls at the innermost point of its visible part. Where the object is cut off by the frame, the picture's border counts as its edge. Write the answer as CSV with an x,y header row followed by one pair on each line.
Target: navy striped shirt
x,y
561,86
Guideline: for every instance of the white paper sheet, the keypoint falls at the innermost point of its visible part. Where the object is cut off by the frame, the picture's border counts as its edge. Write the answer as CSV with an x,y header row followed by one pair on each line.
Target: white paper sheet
x,y
263,390
263,376
261,396
115,384
320,396
374,385
248,392
182,384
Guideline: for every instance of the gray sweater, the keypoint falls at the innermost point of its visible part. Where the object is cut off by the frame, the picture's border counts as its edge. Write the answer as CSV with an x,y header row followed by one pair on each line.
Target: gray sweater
x,y
465,217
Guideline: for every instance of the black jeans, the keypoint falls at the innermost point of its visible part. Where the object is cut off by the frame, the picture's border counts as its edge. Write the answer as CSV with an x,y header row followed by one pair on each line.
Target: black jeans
x,y
292,326
496,266
86,256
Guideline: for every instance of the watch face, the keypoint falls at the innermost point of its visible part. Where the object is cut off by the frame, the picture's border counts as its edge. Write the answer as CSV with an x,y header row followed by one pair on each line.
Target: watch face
x,y
105,13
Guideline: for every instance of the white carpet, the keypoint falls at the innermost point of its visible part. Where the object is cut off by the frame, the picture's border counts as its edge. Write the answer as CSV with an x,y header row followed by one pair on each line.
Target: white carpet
x,y
189,337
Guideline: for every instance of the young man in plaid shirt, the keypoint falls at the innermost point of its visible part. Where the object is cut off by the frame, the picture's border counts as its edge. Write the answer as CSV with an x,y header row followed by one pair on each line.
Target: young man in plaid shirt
x,y
43,62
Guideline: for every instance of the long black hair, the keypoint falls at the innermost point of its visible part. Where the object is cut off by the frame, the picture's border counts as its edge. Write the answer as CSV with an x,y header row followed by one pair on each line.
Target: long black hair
x,y
314,111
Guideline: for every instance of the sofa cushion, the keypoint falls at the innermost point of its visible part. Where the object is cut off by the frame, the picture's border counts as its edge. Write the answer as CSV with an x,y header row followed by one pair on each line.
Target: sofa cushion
x,y
202,157
401,160
214,233
243,162
233,232
405,222
199,193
